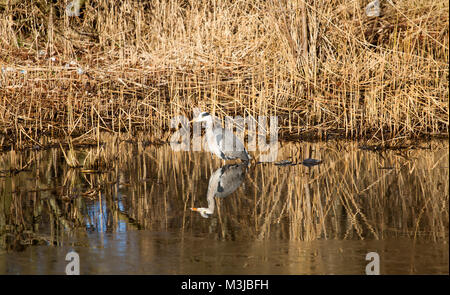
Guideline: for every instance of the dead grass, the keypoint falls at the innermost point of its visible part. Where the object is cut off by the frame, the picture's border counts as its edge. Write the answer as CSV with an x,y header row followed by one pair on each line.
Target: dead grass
x,y
323,67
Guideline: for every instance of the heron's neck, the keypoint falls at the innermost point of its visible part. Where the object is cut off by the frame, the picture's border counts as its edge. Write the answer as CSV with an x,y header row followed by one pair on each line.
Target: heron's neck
x,y
211,202
209,124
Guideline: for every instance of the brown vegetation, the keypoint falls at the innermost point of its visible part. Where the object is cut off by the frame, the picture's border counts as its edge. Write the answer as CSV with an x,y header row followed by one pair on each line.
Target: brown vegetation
x,y
323,67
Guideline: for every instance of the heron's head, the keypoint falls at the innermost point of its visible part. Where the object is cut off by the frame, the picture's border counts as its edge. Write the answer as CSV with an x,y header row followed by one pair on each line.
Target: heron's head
x,y
203,211
202,117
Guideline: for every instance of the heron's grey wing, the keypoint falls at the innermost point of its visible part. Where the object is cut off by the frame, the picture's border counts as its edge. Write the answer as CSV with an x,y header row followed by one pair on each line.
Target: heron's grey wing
x,y
230,179
230,145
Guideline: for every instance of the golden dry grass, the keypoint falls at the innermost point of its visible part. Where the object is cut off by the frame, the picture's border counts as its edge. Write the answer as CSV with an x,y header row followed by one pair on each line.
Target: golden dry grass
x,y
323,67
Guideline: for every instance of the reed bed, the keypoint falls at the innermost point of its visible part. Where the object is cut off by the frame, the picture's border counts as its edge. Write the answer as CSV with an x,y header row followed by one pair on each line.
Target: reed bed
x,y
323,67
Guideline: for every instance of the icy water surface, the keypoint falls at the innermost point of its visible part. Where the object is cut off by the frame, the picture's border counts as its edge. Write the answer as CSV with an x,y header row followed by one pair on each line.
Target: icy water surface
x,y
127,210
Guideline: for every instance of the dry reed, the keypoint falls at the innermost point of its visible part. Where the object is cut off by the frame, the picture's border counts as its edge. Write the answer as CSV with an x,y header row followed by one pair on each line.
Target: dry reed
x,y
323,67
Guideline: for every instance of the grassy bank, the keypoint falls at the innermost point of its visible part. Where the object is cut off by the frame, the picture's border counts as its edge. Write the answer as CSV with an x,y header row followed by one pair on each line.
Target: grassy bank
x,y
323,67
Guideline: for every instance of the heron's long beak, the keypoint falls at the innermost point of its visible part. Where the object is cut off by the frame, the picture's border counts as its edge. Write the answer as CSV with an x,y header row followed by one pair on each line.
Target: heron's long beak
x,y
194,209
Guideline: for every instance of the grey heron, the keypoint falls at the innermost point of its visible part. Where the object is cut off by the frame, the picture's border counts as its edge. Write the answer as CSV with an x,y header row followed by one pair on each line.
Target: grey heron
x,y
222,182
222,142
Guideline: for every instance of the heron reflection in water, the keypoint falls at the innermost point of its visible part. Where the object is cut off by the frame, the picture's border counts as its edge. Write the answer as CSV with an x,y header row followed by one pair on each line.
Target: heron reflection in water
x,y
222,183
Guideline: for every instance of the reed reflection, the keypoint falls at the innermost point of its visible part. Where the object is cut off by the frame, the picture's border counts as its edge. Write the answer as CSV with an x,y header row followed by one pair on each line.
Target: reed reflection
x,y
355,194
223,182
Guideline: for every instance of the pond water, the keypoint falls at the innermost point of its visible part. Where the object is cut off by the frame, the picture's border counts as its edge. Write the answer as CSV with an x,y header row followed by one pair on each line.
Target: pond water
x,y
127,210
